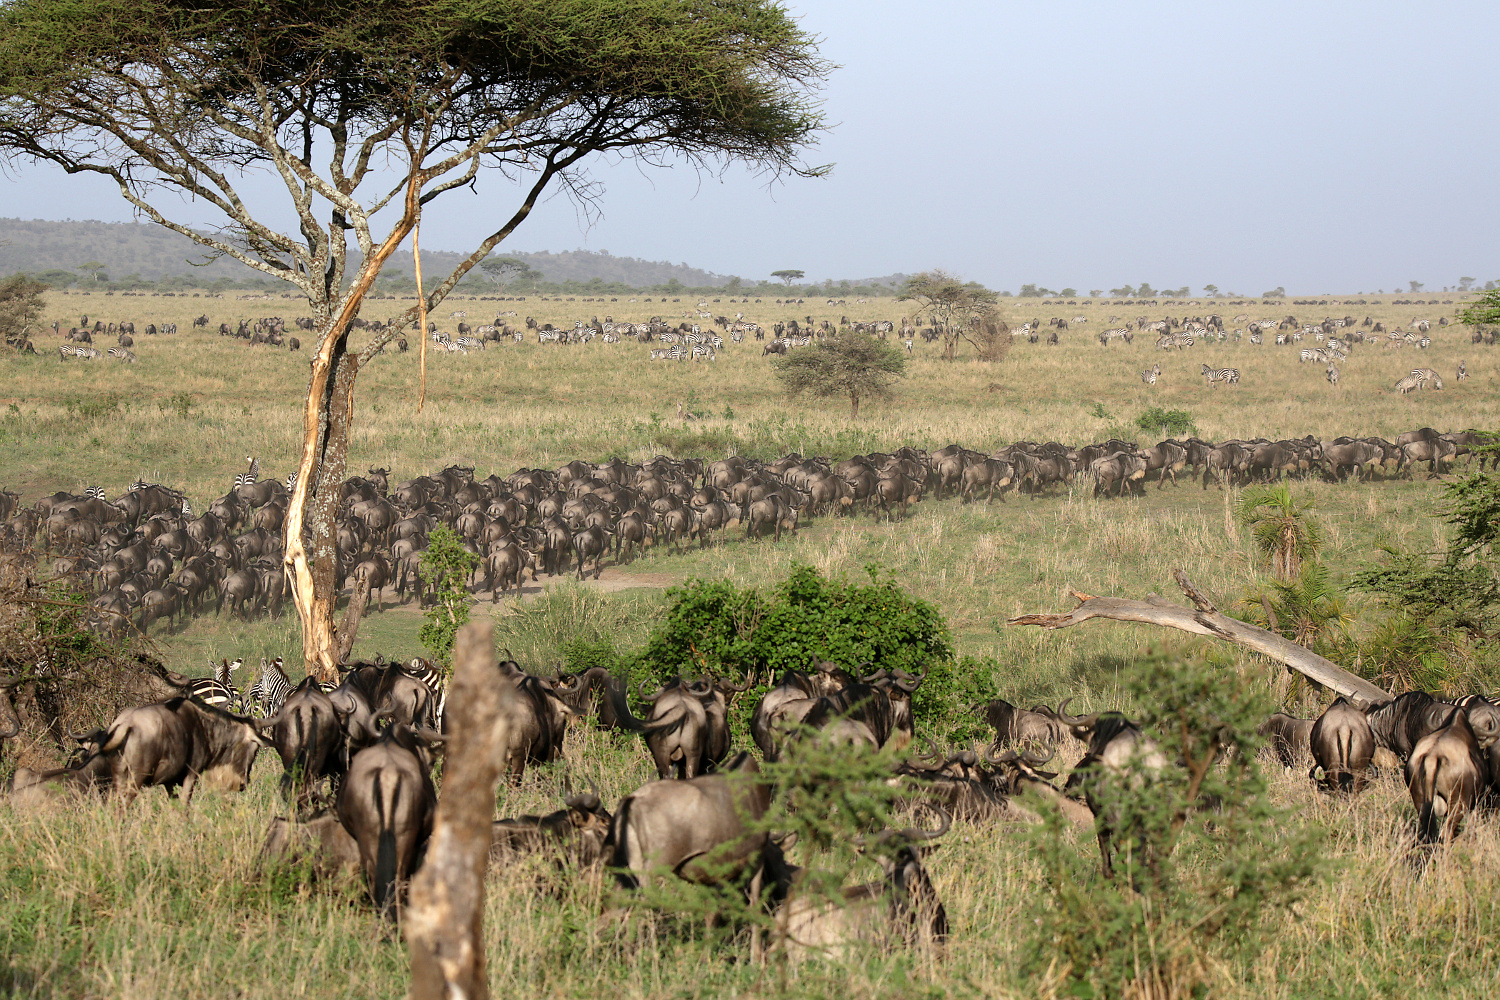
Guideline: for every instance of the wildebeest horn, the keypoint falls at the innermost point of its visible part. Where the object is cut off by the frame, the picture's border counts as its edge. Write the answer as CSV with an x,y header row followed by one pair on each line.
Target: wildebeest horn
x,y
1032,758
640,692
1005,758
968,758
910,685
731,686
933,753
1077,721
913,833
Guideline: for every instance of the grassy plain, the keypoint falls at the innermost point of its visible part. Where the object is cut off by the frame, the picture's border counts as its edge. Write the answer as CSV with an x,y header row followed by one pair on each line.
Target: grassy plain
x,y
152,900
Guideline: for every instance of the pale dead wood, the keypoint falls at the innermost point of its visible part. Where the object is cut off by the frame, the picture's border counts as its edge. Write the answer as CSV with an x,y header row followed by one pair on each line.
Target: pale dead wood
x,y
444,920
1204,619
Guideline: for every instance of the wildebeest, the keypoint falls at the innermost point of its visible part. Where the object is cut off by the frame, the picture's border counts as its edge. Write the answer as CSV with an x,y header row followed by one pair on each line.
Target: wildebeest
x,y
875,712
789,701
580,830
539,720
1018,725
320,838
701,830
307,736
1115,745
175,744
386,803
1400,723
687,731
901,908
1342,744
1288,737
1445,776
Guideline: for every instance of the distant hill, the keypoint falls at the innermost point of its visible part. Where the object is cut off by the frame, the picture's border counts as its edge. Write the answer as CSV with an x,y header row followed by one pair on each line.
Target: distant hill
x,y
131,248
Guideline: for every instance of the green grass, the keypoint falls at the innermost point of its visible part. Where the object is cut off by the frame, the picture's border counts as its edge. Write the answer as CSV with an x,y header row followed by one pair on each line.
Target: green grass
x,y
153,900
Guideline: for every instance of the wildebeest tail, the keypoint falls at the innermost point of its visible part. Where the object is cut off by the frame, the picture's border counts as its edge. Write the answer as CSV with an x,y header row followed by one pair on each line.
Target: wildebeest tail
x,y
386,862
620,834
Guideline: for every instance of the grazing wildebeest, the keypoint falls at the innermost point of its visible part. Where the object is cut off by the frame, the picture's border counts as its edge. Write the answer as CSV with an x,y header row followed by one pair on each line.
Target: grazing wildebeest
x,y
386,802
1342,745
1288,737
1446,774
1017,725
901,908
702,830
321,838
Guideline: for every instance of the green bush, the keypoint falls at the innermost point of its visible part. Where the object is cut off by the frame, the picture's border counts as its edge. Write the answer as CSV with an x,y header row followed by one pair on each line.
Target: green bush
x,y
1167,423
96,408
1205,869
445,571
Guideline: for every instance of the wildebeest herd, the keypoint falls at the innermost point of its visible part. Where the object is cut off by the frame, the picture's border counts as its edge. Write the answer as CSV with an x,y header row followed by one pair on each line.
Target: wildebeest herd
x,y
359,762
147,558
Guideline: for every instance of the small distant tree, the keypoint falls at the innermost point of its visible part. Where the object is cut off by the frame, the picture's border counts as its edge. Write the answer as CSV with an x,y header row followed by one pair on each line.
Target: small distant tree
x,y
1279,292
951,303
1068,293
93,268
1464,284
1144,291
504,270
1123,292
789,275
1416,286
1094,293
20,308
853,364
1211,290
1029,292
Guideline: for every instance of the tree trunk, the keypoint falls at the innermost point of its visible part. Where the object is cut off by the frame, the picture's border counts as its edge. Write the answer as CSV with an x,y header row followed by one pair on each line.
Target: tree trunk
x,y
853,406
327,420
1204,619
444,921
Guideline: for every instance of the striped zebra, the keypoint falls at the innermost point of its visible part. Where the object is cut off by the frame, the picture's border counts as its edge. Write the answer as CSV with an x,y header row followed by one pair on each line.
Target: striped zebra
x,y
218,691
704,351
660,353
549,336
269,690
122,354
1220,374
1407,384
291,482
610,337
1255,335
472,343
676,353
432,679
737,335
717,343
1426,377
798,341
1424,343
1463,371
518,336
1314,354
906,342
67,351
1150,375
1331,374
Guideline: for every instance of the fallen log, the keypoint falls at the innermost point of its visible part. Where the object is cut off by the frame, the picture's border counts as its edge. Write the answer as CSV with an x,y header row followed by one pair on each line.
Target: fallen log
x,y
1204,619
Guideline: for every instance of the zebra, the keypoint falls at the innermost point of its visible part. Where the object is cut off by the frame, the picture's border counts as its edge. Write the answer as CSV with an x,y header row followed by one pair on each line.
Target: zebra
x,y
1150,375
187,509
610,337
1220,374
291,482
269,690
437,685
218,691
1407,384
1425,377
1424,343
73,351
717,343
1255,335
1463,372
1331,374
907,343
704,351
122,354
470,342
1315,354
549,336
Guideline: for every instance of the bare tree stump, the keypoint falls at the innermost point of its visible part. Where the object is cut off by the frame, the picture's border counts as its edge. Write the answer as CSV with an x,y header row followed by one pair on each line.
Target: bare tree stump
x,y
444,920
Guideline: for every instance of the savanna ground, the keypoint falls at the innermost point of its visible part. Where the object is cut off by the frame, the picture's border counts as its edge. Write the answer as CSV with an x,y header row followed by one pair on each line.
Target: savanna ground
x,y
154,900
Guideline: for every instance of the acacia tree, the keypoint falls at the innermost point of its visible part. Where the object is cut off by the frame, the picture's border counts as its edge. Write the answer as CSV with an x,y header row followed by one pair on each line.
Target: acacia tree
x,y
855,365
789,275
367,111
952,304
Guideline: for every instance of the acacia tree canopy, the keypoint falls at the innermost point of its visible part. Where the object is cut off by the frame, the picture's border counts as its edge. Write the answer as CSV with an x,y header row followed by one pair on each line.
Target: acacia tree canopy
x,y
852,364
952,304
367,111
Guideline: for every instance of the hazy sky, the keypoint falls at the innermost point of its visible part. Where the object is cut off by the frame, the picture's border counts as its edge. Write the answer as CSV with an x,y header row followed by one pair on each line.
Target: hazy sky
x,y
1324,147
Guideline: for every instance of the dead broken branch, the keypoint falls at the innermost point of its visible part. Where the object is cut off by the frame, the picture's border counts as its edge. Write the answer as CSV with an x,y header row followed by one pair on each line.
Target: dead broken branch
x,y
1204,619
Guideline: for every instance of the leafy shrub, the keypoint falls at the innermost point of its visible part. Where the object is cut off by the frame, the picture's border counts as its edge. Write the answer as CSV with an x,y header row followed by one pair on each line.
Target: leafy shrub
x,y
1167,423
1193,886
445,569
95,408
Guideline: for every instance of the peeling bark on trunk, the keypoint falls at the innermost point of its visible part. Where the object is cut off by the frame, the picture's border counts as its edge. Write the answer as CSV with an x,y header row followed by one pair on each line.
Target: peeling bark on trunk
x,y
444,919
359,599
1204,619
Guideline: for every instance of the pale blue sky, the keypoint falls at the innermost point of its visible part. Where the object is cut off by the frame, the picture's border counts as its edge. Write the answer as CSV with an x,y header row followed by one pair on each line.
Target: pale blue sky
x,y
1325,147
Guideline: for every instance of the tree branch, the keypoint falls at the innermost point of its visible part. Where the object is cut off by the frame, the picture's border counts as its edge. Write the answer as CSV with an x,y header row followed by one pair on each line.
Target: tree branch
x,y
1204,619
